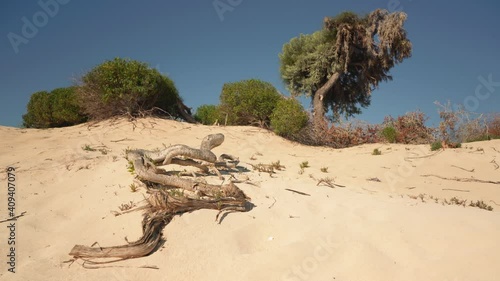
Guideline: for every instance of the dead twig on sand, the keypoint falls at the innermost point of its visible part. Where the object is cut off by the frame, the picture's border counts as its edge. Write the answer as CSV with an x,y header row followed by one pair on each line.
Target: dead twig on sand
x,y
462,179
125,139
298,192
495,164
460,190
14,218
494,202
328,181
470,171
425,156
272,204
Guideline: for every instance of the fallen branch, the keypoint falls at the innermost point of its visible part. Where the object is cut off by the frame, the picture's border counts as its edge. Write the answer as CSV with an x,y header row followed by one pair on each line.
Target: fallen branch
x,y
470,171
14,218
272,204
425,156
172,196
463,179
452,189
298,192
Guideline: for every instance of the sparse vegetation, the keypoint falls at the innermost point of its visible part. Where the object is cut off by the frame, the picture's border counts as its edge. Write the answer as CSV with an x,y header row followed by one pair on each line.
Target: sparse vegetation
x,y
277,165
133,187
87,147
436,145
481,205
324,169
304,165
130,167
127,206
376,151
453,201
408,129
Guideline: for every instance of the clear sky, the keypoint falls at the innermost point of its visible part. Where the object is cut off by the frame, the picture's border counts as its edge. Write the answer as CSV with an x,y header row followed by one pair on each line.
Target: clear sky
x,y
201,48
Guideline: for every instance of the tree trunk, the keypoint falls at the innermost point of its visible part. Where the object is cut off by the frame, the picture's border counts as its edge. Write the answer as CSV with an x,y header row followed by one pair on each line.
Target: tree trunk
x,y
318,103
185,112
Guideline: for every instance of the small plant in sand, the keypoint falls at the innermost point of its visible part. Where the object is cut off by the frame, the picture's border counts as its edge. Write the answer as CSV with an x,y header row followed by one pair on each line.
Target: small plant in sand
x,y
324,169
328,181
277,165
130,167
133,187
176,192
302,166
481,205
436,145
376,151
127,206
87,147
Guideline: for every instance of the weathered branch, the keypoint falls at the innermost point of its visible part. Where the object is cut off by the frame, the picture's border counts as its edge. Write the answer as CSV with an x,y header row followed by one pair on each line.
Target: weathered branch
x,y
179,196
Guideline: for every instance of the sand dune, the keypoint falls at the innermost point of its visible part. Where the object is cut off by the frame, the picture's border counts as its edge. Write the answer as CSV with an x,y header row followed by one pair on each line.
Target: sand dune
x,y
374,228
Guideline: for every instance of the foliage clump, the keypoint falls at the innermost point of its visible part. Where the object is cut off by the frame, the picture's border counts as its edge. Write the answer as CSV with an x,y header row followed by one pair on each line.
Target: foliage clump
x,y
389,134
128,87
288,118
408,129
249,102
208,114
58,108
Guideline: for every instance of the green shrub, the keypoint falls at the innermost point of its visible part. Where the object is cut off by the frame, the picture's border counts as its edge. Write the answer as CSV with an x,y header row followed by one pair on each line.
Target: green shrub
x,y
389,134
288,118
248,102
65,108
208,114
39,111
436,145
55,109
376,151
127,87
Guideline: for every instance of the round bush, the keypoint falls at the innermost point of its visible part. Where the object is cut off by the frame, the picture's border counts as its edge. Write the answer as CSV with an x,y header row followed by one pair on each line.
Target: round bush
x,y
65,108
288,118
389,134
39,111
208,114
127,87
248,102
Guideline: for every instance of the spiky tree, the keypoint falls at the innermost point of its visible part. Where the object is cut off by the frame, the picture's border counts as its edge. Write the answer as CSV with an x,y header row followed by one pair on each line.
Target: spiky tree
x,y
340,65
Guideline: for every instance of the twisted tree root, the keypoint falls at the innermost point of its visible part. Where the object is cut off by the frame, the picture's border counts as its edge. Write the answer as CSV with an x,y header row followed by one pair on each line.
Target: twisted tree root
x,y
181,195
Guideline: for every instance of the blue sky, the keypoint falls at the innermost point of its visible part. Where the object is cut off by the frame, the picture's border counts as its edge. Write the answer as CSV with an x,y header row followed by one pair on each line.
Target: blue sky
x,y
454,43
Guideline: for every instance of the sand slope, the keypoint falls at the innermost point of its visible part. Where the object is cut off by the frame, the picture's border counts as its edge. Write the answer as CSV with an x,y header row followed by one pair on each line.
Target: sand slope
x,y
368,230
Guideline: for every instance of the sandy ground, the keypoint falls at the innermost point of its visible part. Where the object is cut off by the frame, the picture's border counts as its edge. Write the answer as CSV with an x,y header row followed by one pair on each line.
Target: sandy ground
x,y
376,227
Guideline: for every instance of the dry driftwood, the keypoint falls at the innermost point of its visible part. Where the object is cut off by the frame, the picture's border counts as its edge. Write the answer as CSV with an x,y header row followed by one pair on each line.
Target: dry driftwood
x,y
463,179
178,196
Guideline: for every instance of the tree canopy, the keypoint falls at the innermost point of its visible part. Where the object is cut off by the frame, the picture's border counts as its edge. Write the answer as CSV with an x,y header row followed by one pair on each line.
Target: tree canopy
x,y
340,65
